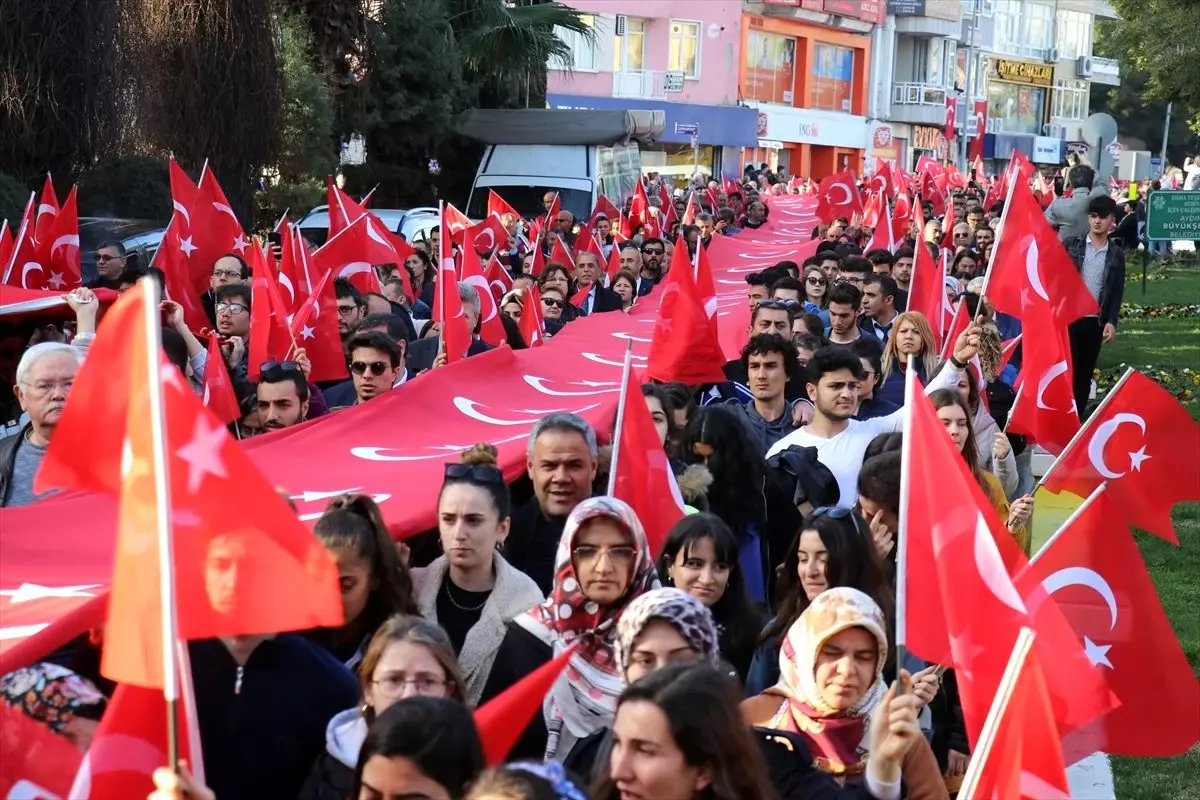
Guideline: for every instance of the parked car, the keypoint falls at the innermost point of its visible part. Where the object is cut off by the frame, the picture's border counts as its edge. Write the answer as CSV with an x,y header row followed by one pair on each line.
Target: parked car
x,y
141,238
414,224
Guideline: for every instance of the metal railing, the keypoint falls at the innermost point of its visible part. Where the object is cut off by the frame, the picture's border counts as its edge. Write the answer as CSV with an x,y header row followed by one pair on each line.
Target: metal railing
x,y
919,94
640,83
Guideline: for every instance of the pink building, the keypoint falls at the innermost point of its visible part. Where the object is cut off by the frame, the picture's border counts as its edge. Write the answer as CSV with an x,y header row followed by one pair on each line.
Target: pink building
x,y
678,57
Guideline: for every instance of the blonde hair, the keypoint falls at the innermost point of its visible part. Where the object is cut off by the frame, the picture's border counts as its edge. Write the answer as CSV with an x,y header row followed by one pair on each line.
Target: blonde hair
x,y
481,454
891,353
414,630
991,350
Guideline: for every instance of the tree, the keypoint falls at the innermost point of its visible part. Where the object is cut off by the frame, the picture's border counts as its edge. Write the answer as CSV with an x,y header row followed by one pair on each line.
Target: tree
x,y
1151,37
306,144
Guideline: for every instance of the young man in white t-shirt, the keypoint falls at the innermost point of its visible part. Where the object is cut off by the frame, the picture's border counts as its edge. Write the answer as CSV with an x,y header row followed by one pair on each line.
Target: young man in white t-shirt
x,y
834,375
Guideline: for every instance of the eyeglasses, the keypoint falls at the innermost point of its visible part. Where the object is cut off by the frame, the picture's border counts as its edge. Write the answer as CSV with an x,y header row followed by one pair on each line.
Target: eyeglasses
x,y
833,512
282,366
377,367
105,259
345,311
393,685
230,308
43,388
477,473
227,273
552,303
589,554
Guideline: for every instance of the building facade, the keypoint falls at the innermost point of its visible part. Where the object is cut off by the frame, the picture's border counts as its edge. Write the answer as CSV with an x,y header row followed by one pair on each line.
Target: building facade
x,y
669,55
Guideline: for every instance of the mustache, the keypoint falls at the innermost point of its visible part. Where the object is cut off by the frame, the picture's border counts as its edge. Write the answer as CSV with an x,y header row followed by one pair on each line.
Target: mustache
x,y
56,406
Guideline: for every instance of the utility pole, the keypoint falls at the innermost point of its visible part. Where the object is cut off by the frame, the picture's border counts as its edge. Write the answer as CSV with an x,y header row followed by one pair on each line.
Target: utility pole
x,y
969,97
1162,156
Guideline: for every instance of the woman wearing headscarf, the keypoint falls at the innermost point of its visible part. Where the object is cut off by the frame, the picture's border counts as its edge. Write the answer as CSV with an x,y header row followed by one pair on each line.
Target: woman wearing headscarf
x,y
603,563
64,701
827,691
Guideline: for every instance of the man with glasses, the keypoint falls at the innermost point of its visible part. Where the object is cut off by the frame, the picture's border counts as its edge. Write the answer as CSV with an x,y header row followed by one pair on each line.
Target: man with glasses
x,y
227,270
376,365
350,306
111,259
232,308
565,225
961,236
424,354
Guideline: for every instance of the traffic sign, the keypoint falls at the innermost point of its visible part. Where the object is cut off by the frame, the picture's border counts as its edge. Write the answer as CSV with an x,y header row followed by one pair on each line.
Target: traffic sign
x,y
673,82
687,128
1173,216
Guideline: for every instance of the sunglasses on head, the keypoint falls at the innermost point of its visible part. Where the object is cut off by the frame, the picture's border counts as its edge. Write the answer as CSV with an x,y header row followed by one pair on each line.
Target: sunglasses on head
x,y
783,305
282,366
476,473
377,367
833,512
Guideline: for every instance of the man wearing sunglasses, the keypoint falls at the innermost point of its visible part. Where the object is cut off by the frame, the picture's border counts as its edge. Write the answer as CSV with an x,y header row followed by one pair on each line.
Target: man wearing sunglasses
x,y
376,365
654,254
110,261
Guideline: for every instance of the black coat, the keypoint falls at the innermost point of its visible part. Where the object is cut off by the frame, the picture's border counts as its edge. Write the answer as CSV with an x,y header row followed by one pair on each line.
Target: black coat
x,y
520,653
262,727
532,544
330,779
605,300
8,456
422,352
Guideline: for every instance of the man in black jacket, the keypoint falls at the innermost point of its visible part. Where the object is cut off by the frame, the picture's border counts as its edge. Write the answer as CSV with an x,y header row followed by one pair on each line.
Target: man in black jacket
x,y
424,352
1101,263
599,298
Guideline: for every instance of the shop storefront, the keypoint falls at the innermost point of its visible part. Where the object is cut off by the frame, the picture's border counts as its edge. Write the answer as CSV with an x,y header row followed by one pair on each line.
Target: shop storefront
x,y
928,141
1017,93
811,144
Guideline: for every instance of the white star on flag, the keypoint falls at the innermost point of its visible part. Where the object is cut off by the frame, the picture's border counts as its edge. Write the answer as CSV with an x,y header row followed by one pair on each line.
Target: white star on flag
x,y
307,333
1137,457
171,376
33,591
240,244
203,453
56,280
1097,653
185,244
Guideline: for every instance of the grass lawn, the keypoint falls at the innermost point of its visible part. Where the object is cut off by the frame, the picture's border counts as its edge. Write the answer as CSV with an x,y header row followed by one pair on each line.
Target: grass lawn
x,y
1171,344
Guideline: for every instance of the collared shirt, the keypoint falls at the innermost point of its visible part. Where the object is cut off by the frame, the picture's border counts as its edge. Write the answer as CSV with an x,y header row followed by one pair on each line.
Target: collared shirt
x,y
1095,266
881,332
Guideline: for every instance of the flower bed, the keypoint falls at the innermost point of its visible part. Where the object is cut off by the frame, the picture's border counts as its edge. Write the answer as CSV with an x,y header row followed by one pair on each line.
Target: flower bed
x,y
1168,311
1183,384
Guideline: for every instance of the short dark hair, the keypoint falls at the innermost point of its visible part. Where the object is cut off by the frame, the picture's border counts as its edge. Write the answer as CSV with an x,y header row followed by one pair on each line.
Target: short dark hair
x,y
812,323
831,359
787,265
375,340
765,306
904,252
788,283
113,244
765,343
880,255
651,240
342,287
1102,206
726,214
879,480
845,294
828,249
1081,176
871,349
857,264
392,324
887,284
233,293
756,279
245,268
813,261
807,341
279,375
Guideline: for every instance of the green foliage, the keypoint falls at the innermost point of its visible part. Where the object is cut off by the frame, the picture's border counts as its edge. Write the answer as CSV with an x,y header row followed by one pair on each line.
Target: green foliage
x,y
133,188
306,143
13,197
1151,37
295,198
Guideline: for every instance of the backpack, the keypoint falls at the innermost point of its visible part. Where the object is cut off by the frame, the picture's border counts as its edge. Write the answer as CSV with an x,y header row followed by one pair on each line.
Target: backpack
x,y
813,481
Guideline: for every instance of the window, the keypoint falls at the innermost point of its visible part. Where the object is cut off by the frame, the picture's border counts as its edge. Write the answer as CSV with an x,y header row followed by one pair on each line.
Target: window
x,y
629,51
583,49
1070,100
1074,35
684,55
1039,30
1007,16
832,78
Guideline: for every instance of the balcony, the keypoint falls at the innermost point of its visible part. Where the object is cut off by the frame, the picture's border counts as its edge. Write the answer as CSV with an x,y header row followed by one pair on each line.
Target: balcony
x,y
919,103
1106,71
642,84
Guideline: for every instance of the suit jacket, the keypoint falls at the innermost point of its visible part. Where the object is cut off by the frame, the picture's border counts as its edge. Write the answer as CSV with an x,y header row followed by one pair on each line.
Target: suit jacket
x,y
422,352
604,299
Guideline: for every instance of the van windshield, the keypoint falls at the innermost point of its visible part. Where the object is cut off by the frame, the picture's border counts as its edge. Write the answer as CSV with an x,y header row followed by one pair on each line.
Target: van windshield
x,y
527,200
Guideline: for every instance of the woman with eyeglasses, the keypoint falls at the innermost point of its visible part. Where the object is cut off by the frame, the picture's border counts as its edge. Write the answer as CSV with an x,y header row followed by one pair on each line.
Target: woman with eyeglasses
x,y
408,657
911,339
471,590
603,563
816,289
375,583
831,693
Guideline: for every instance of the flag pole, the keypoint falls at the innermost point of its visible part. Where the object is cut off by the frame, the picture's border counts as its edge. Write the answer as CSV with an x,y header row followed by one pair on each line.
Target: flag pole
x,y
162,497
21,231
991,725
1095,415
910,388
626,369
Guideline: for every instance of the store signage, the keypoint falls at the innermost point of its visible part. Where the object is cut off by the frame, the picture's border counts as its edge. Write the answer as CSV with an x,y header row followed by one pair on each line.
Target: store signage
x,y
762,123
926,138
906,8
882,137
1047,150
1031,73
811,126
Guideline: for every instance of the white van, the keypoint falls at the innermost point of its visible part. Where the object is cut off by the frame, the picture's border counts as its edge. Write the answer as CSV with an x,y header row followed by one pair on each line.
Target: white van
x,y
579,154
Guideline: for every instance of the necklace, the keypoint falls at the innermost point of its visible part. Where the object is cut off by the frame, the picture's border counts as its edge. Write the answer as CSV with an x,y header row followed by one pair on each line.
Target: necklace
x,y
455,603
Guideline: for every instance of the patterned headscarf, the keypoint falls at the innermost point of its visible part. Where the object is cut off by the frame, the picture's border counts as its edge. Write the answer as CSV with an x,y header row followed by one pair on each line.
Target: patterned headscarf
x,y
586,699
838,739
691,617
52,695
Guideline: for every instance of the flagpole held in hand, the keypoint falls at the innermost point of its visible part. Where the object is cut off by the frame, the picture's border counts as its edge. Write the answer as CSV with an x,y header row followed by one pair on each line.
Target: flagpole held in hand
x,y
616,439
911,388
162,498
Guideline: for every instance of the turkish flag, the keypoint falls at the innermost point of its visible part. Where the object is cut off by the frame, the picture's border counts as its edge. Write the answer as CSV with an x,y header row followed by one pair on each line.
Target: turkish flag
x,y
353,252
929,190
1030,267
707,287
1145,445
614,264
948,228
44,216
35,762
103,442
684,347
644,478
488,235
314,327
1008,349
579,299
219,397
62,247
501,720
975,144
1023,759
491,329
604,207
214,230
173,257
689,213
639,207
456,222
837,196
499,206
1095,572
533,326
585,242
927,286
882,181
295,277
870,214
539,261
962,608
884,236
6,244
341,207
555,207
24,270
559,254
902,215
269,335
1044,408
951,116
499,281
447,305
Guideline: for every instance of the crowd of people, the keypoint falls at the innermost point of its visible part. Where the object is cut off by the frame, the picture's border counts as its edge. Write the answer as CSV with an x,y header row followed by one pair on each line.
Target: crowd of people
x,y
748,659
